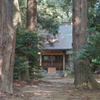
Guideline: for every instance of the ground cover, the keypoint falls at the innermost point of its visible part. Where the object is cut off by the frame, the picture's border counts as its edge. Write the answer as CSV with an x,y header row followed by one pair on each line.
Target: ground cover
x,y
50,89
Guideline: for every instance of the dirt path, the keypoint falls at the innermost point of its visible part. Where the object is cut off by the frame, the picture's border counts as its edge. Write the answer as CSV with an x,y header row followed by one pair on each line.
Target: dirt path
x,y
49,89
60,89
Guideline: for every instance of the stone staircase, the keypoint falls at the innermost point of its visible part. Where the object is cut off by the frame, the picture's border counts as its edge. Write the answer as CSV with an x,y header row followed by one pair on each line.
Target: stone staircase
x,y
58,74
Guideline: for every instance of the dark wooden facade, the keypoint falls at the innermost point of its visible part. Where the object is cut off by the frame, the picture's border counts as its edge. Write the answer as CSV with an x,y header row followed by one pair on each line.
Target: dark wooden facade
x,y
52,61
54,58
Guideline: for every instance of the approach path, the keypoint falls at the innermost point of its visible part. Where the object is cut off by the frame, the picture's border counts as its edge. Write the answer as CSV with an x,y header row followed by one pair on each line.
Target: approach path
x,y
56,88
50,89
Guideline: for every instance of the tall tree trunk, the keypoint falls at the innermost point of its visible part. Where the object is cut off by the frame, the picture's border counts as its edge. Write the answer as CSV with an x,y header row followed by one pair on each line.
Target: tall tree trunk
x,y
24,74
83,74
32,15
7,46
32,25
16,13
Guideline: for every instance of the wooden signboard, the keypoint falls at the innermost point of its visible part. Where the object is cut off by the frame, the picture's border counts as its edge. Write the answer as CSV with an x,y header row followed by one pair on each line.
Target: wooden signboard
x,y
51,69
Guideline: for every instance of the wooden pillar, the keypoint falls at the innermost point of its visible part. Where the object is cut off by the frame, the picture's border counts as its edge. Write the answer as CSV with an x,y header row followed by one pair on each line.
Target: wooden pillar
x,y
40,60
51,60
63,62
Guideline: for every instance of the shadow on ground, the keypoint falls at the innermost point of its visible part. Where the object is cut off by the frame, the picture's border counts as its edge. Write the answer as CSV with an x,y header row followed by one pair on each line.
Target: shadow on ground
x,y
51,88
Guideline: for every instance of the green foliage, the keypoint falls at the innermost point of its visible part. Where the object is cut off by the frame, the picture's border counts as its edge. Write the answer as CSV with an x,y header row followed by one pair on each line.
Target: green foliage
x,y
27,41
94,32
20,65
27,45
68,71
23,10
49,13
92,3
62,7
93,19
91,50
48,17
65,7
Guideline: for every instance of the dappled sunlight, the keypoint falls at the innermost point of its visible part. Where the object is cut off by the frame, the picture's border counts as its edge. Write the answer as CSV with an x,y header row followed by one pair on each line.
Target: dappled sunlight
x,y
64,81
98,81
11,33
43,92
37,91
42,88
56,89
17,84
52,85
1,74
78,21
33,86
0,67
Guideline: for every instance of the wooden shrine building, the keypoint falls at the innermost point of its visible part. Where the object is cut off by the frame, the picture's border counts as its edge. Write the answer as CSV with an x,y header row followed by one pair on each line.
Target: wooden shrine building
x,y
57,56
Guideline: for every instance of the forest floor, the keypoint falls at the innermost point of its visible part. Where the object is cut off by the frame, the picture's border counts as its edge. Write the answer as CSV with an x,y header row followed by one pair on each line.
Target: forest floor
x,y
50,89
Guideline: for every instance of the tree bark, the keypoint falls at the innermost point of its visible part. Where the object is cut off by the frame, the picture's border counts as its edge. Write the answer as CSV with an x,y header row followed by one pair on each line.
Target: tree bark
x,y
7,46
83,74
16,13
32,15
24,74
